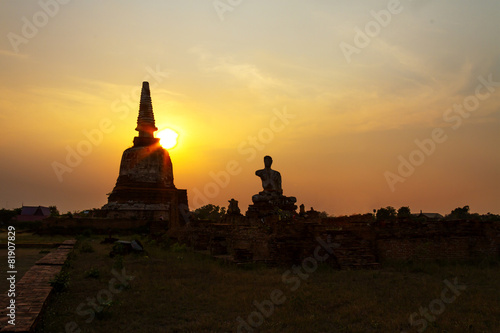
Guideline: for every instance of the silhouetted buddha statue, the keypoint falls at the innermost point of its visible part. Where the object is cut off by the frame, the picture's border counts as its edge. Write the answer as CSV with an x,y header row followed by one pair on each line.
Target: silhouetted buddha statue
x,y
271,182
271,198
271,179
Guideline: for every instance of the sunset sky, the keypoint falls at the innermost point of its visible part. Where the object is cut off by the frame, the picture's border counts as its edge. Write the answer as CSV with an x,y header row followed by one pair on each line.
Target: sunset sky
x,y
337,92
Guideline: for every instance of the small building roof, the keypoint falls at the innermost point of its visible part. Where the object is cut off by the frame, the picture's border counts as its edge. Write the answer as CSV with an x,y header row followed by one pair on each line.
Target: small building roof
x,y
35,211
431,216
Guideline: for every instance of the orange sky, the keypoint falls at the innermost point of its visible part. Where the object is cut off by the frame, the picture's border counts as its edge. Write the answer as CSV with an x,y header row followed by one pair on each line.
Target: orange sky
x,y
337,93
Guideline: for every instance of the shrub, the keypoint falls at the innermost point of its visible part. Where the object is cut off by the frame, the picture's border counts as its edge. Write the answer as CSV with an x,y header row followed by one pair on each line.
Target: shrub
x,y
118,249
162,240
60,282
118,264
178,247
92,273
106,310
87,233
86,248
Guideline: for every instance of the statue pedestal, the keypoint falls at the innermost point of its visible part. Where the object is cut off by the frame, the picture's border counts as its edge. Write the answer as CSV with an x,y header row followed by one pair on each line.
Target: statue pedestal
x,y
268,203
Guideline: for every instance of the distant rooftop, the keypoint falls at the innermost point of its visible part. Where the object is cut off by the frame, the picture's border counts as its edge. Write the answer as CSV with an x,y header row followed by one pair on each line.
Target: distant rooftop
x,y
431,216
33,213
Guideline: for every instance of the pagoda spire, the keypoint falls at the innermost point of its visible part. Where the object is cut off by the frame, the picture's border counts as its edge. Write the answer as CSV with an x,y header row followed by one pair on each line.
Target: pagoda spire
x,y
146,119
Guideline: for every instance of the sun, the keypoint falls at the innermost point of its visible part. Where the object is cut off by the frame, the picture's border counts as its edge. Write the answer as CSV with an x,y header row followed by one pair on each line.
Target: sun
x,y
168,138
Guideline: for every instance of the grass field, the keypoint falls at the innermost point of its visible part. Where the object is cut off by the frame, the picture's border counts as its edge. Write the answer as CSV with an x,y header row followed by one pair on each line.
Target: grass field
x,y
177,290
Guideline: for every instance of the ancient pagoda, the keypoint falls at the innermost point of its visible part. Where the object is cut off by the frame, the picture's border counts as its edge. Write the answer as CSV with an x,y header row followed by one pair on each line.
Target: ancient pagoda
x,y
145,186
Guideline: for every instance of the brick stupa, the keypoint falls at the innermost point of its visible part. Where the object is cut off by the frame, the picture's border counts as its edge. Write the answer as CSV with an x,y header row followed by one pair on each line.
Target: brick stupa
x,y
145,187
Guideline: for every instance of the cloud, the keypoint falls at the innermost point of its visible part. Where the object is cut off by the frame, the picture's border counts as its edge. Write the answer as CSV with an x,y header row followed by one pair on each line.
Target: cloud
x,y
249,74
11,54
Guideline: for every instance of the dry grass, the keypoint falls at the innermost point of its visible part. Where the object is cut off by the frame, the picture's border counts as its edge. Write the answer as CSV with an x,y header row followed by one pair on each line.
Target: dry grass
x,y
188,292
27,237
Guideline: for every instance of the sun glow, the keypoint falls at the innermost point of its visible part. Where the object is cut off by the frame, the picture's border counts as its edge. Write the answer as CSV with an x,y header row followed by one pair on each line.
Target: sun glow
x,y
168,138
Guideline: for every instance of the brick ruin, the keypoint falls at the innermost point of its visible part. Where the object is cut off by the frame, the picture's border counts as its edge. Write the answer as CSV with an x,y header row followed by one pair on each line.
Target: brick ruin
x,y
361,242
272,232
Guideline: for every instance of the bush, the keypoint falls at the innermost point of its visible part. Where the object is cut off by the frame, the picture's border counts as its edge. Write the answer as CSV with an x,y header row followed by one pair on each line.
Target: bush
x,y
118,249
106,310
178,247
60,282
86,248
163,241
209,212
118,264
92,273
87,233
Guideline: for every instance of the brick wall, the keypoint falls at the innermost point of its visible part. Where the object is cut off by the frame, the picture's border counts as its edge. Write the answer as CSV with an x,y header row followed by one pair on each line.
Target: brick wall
x,y
454,240
362,242
96,225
